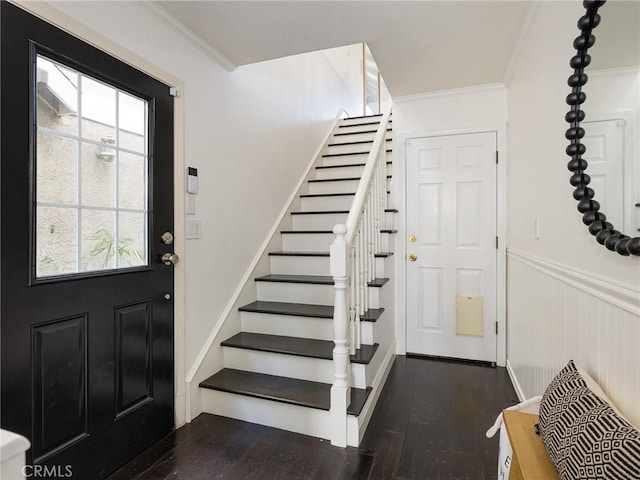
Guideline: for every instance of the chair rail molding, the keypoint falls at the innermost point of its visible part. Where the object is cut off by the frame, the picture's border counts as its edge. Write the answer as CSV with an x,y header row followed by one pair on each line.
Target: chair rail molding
x,y
626,297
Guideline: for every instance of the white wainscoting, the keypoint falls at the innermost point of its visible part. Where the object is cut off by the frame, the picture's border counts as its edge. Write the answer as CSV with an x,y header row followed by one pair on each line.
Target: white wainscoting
x,y
557,313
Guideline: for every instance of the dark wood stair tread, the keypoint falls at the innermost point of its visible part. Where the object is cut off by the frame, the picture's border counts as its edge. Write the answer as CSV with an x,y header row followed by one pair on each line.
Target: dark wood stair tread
x,y
360,133
318,254
322,167
284,278
321,212
355,142
291,309
282,389
311,279
303,310
308,195
384,230
350,153
391,210
299,254
372,315
300,347
345,179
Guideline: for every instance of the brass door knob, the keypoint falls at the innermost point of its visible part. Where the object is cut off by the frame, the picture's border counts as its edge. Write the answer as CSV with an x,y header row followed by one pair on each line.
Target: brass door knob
x,y
413,257
412,238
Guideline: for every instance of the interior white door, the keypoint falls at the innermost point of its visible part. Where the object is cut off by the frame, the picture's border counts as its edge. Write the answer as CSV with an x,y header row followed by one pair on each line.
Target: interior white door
x,y
605,153
451,246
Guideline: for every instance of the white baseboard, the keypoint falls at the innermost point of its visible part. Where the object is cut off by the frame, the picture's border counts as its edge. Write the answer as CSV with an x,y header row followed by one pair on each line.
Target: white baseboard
x,y
514,381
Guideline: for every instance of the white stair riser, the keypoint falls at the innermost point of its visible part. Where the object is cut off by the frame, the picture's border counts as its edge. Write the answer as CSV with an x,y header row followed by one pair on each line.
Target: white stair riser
x,y
306,293
299,265
374,297
350,159
303,368
270,363
352,125
367,329
305,265
338,186
350,148
345,160
295,293
315,221
320,242
287,325
390,220
344,172
354,147
364,134
334,186
306,242
308,421
311,204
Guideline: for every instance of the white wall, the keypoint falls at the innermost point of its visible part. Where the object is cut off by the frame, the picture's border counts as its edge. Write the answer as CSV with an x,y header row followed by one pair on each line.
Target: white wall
x,y
568,297
250,133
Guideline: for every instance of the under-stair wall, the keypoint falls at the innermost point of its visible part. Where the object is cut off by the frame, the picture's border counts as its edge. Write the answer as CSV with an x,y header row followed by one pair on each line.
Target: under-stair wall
x,y
276,344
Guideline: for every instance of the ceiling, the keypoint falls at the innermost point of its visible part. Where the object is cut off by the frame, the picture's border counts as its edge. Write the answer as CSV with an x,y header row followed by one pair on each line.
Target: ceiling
x,y
419,46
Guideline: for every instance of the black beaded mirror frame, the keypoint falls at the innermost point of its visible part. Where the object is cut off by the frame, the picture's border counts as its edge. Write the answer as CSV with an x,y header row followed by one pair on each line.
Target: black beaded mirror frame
x,y
604,231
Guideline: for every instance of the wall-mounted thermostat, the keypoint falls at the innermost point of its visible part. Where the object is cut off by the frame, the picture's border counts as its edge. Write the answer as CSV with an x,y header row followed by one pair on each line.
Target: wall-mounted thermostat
x,y
192,180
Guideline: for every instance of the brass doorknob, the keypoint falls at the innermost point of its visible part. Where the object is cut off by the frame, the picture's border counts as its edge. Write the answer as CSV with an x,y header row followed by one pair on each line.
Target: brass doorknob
x,y
413,238
413,257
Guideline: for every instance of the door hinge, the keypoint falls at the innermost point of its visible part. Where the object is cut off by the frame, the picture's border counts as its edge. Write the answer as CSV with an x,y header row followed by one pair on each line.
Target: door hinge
x,y
496,156
496,328
496,243
174,92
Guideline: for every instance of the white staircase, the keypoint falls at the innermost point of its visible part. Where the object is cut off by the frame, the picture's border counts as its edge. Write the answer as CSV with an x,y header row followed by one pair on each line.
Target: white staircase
x,y
279,369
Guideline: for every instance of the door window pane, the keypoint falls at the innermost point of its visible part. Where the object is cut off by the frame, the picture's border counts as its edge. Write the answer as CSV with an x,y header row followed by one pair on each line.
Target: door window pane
x,y
57,101
97,178
132,234
57,166
98,245
132,123
98,109
91,182
57,241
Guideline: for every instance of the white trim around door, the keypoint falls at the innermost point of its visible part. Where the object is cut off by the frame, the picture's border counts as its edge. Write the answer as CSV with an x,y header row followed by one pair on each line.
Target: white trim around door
x,y
399,172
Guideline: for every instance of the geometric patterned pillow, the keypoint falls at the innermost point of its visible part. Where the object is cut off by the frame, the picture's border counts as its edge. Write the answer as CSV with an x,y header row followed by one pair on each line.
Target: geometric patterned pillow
x,y
556,399
584,436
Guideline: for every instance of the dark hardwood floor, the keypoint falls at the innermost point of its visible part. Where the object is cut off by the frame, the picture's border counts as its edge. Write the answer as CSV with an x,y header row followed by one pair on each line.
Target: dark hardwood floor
x,y
429,423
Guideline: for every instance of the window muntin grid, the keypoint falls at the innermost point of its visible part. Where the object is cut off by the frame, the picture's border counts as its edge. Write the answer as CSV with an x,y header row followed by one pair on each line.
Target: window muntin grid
x,y
91,182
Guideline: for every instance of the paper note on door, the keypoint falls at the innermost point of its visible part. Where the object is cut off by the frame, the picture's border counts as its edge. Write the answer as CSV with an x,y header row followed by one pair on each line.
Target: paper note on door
x,y
469,316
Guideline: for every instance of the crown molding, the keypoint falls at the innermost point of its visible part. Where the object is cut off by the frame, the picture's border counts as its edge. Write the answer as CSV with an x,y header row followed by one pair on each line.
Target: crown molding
x,y
189,35
444,93
523,40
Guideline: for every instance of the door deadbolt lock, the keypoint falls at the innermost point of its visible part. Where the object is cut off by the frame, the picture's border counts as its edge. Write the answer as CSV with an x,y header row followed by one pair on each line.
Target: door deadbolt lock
x,y
170,258
413,238
167,238
413,257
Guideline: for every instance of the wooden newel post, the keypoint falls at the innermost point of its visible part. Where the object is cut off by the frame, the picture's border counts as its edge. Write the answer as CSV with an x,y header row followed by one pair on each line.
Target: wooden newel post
x,y
340,391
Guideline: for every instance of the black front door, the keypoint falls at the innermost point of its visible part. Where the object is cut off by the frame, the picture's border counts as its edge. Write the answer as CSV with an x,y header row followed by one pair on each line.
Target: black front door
x,y
87,212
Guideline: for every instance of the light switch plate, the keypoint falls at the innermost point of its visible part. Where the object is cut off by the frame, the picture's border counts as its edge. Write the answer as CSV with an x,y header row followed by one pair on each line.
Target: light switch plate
x,y
193,229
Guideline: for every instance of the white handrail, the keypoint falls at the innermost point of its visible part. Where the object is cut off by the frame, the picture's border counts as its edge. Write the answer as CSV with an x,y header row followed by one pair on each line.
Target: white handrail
x,y
365,180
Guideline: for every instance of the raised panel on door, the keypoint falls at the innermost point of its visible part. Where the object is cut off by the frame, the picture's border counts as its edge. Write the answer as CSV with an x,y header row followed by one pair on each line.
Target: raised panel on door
x,y
451,228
